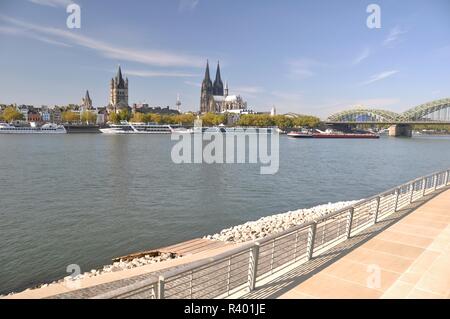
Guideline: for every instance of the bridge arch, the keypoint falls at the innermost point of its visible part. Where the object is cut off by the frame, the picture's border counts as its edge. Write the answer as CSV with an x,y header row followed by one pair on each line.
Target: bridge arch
x,y
434,110
362,114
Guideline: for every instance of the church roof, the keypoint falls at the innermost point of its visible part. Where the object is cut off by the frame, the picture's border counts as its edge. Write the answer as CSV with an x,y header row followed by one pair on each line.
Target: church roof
x,y
119,79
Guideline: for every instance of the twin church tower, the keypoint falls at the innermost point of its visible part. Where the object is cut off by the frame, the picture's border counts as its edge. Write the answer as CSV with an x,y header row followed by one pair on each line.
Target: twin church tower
x,y
211,93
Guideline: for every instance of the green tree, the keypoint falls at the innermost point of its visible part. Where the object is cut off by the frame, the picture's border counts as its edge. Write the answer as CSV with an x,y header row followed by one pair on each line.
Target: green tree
x,y
138,117
209,119
153,118
282,121
11,114
70,116
124,115
306,121
88,117
113,117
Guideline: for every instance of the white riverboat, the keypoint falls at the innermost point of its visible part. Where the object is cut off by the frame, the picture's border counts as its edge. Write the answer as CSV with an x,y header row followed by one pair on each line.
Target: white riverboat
x,y
138,128
49,128
230,130
249,130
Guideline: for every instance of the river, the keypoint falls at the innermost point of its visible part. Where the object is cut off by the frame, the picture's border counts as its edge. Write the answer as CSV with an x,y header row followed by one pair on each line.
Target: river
x,y
86,198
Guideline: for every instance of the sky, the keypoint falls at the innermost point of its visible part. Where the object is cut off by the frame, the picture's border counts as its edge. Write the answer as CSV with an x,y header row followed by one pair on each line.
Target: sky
x,y
309,57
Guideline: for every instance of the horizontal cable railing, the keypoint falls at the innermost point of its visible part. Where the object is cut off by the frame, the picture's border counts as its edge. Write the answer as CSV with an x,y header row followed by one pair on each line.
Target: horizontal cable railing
x,y
240,269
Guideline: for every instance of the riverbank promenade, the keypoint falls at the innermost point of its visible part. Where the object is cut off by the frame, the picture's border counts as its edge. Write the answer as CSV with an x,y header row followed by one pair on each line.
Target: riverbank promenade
x,y
393,245
405,256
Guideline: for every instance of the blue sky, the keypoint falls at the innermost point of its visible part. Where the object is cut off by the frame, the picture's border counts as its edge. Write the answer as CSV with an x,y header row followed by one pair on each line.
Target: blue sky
x,y
314,57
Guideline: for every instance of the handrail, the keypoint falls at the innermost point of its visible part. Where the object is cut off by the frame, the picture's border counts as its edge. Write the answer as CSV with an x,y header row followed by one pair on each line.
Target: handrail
x,y
209,271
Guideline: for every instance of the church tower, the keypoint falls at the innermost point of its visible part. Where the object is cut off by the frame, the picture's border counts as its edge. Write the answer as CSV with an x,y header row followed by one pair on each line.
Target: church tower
x,y
206,92
119,91
218,84
86,102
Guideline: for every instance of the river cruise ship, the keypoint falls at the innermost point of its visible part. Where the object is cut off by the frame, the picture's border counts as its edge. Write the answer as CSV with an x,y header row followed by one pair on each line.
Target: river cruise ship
x,y
228,130
138,128
32,129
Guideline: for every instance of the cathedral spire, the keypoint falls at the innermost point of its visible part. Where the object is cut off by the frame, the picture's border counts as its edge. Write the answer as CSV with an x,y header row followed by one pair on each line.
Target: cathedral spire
x,y
218,79
207,77
218,84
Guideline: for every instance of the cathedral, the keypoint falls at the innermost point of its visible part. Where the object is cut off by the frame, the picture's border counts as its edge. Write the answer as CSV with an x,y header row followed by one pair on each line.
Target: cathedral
x,y
118,98
215,98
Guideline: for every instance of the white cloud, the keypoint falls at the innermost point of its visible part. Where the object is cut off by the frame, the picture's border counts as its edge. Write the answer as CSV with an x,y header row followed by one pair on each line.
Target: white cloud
x,y
153,74
191,83
52,3
393,36
149,57
187,5
380,76
21,32
362,56
303,68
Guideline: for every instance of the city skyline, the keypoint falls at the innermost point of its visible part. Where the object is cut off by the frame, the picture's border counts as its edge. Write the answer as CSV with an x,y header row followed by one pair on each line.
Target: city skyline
x,y
314,58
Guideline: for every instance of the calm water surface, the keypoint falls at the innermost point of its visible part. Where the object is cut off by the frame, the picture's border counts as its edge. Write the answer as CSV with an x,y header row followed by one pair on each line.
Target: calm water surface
x,y
84,199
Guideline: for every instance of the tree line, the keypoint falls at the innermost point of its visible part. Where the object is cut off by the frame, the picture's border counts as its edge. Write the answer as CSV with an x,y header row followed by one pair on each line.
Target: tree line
x,y
282,121
208,119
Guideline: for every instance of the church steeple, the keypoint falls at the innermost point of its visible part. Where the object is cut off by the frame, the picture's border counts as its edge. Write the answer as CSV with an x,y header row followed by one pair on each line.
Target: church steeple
x,y
120,82
86,101
207,76
207,91
119,74
218,84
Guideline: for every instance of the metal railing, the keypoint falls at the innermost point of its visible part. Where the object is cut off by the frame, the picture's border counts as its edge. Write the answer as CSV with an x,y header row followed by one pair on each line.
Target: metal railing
x,y
241,268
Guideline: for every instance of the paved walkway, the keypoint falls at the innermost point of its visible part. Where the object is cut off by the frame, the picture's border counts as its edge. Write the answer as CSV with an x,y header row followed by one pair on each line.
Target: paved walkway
x,y
406,256
192,250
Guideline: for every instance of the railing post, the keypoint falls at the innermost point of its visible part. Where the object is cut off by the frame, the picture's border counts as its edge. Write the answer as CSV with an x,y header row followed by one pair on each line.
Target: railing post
x,y
397,194
160,290
424,186
350,222
446,177
272,254
377,210
191,277
413,187
311,239
228,275
296,245
253,266
435,181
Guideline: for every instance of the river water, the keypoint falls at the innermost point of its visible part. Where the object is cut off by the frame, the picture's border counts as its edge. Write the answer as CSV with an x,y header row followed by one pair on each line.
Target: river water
x,y
87,198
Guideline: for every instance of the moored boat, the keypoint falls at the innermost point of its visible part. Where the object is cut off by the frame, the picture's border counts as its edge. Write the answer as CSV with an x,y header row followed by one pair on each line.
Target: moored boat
x,y
48,128
297,134
336,134
138,128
